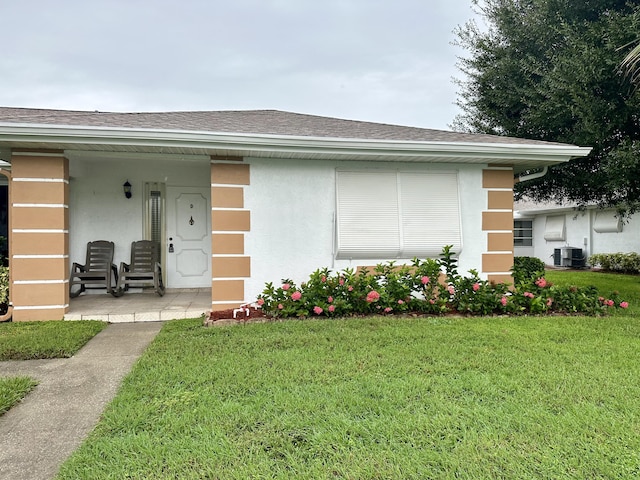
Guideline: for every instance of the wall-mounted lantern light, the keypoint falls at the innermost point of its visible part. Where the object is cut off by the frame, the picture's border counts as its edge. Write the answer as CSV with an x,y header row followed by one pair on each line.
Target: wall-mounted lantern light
x,y
127,189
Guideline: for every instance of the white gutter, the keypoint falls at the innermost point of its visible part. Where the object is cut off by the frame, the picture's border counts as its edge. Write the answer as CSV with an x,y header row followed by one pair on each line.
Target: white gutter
x,y
533,176
51,135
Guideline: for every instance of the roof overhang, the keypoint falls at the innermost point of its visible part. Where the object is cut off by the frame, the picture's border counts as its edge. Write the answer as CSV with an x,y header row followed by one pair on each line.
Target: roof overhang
x,y
522,156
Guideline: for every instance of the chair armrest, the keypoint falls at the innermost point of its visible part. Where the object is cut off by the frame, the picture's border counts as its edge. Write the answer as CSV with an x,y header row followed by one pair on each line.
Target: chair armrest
x,y
78,268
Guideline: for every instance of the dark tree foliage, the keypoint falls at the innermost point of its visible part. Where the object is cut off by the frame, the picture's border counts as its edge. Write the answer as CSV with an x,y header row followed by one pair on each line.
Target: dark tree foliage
x,y
550,70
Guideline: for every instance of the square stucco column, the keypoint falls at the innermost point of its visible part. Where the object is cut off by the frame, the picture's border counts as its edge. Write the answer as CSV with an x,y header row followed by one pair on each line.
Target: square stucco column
x,y
39,249
230,220
497,223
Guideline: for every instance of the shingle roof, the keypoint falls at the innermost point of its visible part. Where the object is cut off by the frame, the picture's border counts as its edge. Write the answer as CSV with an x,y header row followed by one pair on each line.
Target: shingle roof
x,y
255,122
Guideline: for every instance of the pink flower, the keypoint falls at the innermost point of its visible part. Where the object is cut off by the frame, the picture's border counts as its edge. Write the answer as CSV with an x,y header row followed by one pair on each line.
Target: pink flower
x,y
317,310
528,294
372,296
549,301
295,296
261,301
280,306
330,299
609,303
332,308
388,309
541,282
476,287
451,289
400,302
432,301
286,286
425,280
503,301
624,304
350,288
341,281
601,299
323,279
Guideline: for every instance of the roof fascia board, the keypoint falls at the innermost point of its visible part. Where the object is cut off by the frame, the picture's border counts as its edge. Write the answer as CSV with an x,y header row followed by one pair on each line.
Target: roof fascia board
x,y
44,134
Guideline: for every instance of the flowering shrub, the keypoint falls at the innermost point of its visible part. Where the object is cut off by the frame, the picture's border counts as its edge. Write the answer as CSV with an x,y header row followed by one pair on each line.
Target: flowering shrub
x,y
427,287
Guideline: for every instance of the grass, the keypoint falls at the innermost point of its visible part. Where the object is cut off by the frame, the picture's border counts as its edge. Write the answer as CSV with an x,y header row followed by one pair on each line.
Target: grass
x,y
14,389
500,397
55,339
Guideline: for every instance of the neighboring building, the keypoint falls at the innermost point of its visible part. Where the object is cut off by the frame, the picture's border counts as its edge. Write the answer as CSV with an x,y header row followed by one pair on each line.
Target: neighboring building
x,y
566,236
239,198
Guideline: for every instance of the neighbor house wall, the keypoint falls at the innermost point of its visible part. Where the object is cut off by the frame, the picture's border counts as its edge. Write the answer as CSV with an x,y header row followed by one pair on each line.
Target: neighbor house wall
x,y
580,234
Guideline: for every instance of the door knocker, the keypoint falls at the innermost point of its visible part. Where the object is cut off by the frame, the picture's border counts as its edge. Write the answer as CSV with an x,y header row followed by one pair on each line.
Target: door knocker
x,y
191,222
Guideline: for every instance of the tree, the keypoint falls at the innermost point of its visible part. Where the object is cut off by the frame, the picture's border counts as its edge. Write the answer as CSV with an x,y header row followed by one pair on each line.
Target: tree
x,y
549,70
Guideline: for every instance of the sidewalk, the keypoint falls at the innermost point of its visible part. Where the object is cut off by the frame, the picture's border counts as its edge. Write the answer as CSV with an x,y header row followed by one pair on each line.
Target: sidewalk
x,y
38,435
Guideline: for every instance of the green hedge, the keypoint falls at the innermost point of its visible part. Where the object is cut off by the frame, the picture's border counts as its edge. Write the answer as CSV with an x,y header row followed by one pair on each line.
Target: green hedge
x,y
616,262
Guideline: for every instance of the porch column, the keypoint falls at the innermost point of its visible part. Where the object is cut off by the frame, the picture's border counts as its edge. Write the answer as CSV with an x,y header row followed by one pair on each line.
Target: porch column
x,y
229,222
39,223
497,223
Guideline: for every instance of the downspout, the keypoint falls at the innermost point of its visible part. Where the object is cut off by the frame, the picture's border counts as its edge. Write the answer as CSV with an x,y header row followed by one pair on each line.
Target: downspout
x,y
7,316
533,176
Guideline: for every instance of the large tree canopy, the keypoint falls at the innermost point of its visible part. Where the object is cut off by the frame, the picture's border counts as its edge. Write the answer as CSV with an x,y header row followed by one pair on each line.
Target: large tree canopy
x,y
550,70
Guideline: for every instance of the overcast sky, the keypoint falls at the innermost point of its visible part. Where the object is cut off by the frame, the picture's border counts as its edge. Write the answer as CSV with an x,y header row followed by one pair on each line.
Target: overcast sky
x,y
387,61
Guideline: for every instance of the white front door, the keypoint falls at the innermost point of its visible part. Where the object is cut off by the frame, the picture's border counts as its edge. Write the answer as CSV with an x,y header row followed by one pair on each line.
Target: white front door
x,y
188,237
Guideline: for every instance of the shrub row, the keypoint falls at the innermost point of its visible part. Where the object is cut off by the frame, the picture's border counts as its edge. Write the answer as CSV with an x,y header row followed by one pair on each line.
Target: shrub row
x,y
430,286
616,262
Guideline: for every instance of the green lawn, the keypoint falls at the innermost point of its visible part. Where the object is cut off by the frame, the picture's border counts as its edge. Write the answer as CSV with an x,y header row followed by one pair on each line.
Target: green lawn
x,y
14,389
55,339
474,398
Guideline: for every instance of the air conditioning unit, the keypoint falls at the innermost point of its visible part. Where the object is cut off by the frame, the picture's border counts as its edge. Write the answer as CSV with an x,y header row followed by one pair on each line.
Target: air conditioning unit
x,y
568,257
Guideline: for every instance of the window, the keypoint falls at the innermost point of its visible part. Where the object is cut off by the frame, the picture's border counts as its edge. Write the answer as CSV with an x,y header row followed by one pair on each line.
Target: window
x,y
523,233
384,215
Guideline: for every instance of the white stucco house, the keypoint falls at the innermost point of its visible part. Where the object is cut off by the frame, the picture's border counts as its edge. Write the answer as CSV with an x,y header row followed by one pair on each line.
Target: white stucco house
x,y
239,198
566,236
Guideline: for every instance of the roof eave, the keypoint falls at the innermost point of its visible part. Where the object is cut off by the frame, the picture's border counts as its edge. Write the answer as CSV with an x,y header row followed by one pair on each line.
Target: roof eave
x,y
198,141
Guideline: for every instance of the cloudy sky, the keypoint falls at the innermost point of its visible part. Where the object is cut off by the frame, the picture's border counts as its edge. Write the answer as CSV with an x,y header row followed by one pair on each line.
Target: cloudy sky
x,y
385,61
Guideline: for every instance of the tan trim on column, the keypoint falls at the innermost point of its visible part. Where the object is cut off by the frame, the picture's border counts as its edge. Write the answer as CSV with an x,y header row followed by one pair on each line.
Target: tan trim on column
x,y
226,290
500,200
227,243
229,265
230,220
497,221
227,197
497,262
497,179
39,244
230,174
500,242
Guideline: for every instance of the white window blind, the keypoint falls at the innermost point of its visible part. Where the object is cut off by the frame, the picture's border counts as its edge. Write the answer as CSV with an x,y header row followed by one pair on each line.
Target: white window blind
x,y
554,228
397,214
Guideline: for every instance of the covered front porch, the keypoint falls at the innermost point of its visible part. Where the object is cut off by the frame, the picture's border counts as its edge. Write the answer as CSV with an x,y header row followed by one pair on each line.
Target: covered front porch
x,y
143,306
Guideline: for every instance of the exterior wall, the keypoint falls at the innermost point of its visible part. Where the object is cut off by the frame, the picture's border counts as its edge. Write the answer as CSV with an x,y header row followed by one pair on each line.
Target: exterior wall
x,y
39,235
580,234
292,205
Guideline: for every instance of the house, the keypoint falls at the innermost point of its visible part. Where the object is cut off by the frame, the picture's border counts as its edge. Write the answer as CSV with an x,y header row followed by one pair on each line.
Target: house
x,y
239,198
564,235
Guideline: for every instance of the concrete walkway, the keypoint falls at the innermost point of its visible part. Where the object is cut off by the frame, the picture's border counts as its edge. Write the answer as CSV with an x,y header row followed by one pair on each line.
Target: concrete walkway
x,y
38,435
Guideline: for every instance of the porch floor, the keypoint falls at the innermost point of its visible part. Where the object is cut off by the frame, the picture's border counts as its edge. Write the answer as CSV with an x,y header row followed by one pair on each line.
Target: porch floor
x,y
141,306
